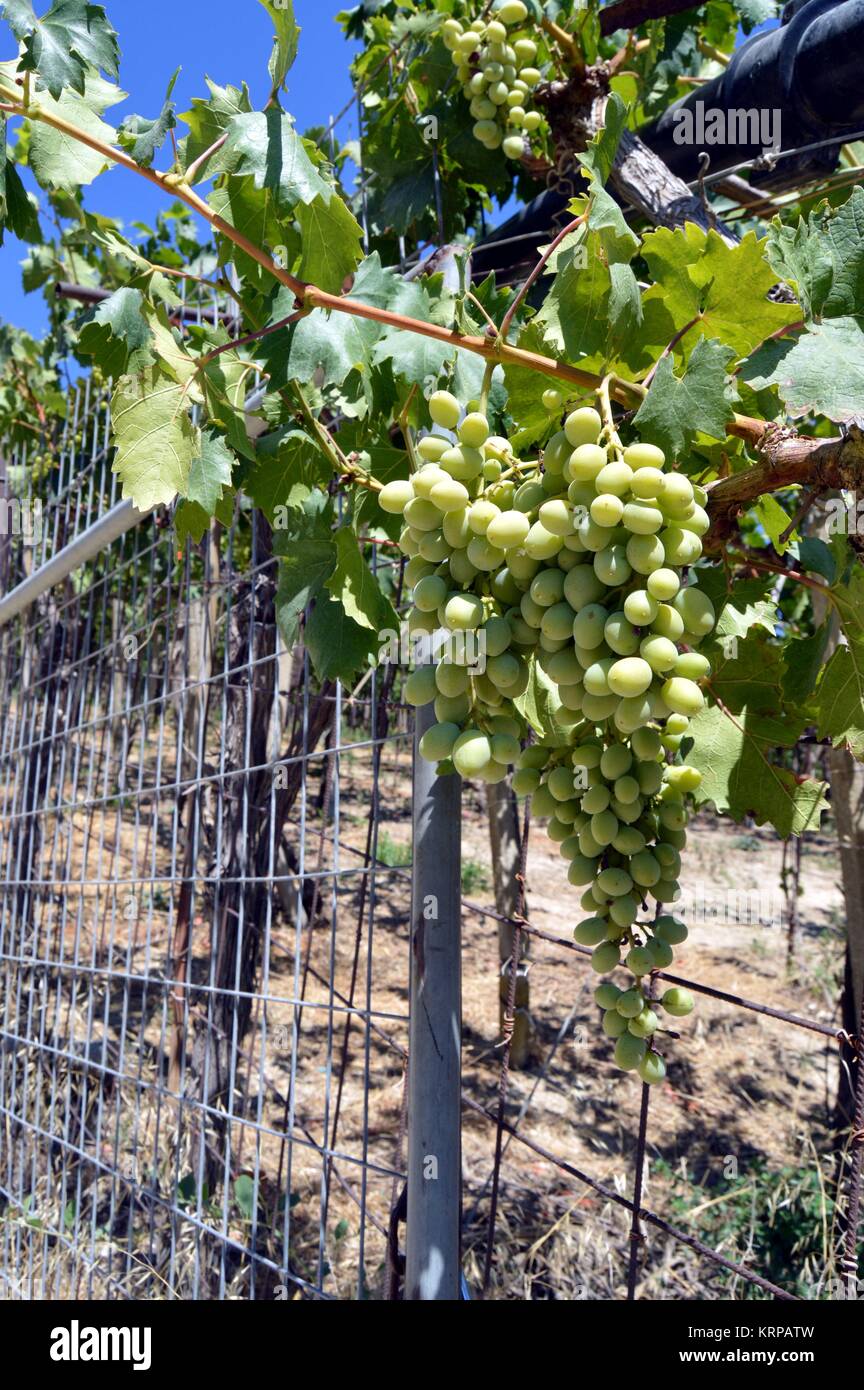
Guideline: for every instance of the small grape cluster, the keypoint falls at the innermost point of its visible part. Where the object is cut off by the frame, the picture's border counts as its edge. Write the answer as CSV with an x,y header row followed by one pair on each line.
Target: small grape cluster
x,y
497,73
581,567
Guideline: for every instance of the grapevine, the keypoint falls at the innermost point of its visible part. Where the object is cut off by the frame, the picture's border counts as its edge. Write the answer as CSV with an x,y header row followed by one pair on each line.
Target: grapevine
x,y
580,563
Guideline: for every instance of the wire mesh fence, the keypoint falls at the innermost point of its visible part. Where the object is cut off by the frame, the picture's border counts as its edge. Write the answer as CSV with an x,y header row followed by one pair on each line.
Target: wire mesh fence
x,y
203,961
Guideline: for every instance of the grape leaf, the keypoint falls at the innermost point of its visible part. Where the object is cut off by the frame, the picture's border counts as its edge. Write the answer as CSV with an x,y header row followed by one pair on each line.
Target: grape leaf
x,y
251,212
824,258
701,399
209,119
332,243
58,160
288,468
540,703
210,471
698,281
739,604
285,40
774,521
154,436
141,137
18,211
338,646
353,584
60,46
819,373
732,753
574,314
116,334
266,145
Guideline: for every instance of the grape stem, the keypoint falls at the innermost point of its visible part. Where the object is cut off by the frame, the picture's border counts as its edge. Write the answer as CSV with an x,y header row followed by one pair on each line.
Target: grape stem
x,y
609,431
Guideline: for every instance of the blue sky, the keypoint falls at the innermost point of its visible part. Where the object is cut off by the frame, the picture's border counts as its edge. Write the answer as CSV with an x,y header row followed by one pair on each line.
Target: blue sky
x,y
205,38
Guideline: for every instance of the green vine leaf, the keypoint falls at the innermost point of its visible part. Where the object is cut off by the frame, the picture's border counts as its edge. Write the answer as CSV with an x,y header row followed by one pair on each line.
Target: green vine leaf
x,y
58,160
210,472
141,137
208,119
285,40
353,584
265,145
60,46
117,335
820,373
154,436
701,399
289,467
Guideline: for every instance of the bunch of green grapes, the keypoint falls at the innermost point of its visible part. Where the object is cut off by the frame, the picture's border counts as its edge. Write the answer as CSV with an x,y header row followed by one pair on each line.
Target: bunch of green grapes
x,y
496,69
583,568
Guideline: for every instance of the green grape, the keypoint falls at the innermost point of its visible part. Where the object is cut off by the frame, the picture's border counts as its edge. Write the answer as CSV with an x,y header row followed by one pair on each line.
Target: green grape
x,y
614,478
605,957
646,743
582,587
462,462
623,911
450,680
621,635
541,544
474,430
661,954
630,676
644,1024
417,569
693,665
668,622
581,871
677,494
553,401
683,696
638,961
472,752
615,882
646,554
591,931
650,777
647,481
680,547
463,612
630,1052
587,755
613,1025
626,790
589,624
394,497
505,748
644,456
663,584
452,709
606,995
659,652
629,841
652,1068
481,514
421,686
604,827
585,463
630,1003
697,611
444,409
513,146
611,566
484,556
557,621
437,742
429,593
606,509
596,678
641,518
557,517
678,1002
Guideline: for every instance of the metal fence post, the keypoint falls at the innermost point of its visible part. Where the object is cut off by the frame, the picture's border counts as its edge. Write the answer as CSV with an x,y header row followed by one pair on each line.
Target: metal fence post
x,y
434,1065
